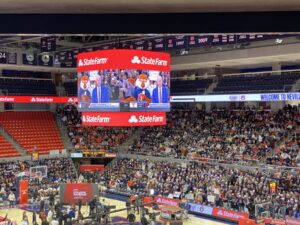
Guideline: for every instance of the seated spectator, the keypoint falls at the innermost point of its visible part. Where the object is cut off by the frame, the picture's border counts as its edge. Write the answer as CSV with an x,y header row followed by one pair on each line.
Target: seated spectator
x,y
227,135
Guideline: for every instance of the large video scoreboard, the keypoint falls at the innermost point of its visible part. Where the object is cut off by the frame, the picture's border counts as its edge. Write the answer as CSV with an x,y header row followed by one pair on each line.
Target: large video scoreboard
x,y
123,87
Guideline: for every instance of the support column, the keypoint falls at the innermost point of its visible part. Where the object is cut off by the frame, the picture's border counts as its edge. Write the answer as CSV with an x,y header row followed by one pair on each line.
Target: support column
x,y
276,67
207,106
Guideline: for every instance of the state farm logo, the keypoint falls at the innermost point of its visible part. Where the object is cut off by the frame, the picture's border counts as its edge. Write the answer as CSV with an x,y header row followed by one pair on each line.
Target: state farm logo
x,y
166,201
95,119
136,60
7,99
220,213
146,119
92,61
37,99
71,100
149,61
229,214
133,119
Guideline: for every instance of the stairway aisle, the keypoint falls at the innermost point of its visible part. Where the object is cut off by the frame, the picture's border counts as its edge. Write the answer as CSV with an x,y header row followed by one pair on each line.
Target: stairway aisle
x,y
15,144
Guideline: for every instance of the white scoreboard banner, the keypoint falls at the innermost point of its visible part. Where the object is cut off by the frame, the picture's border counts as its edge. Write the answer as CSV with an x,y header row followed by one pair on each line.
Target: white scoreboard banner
x,y
263,97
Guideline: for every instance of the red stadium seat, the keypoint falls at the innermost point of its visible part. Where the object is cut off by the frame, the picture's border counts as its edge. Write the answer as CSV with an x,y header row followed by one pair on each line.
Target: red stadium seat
x,y
6,149
31,129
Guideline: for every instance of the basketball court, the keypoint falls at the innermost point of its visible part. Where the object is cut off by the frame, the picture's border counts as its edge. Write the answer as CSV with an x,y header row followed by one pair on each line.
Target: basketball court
x,y
15,214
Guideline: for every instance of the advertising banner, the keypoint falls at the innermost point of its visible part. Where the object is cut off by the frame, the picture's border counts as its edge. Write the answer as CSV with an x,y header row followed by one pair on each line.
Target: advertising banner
x,y
37,99
123,118
91,168
71,193
166,201
123,59
292,221
23,192
265,97
274,221
207,210
227,214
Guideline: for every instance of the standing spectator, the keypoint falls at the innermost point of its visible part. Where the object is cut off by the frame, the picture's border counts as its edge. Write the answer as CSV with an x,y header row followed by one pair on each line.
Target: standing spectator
x,y
136,204
50,215
44,221
51,198
34,218
79,205
43,215
25,221
11,199
42,201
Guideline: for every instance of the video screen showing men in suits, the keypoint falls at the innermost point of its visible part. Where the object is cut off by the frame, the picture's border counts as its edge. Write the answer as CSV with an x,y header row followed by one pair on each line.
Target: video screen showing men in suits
x,y
145,91
124,90
98,90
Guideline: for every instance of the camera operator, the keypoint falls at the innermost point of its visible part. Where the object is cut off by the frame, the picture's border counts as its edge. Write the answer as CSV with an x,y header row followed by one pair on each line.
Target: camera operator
x,y
79,205
92,205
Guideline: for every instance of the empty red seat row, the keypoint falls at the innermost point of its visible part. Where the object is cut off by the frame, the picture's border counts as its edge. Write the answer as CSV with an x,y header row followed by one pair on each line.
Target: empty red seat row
x,y
31,129
6,148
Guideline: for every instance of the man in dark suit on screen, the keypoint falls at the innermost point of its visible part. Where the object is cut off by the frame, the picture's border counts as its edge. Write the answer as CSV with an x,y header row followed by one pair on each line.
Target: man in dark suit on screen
x,y
160,94
100,92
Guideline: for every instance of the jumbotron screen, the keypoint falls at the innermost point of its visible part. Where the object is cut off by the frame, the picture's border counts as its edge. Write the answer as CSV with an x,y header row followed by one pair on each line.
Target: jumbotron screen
x,y
124,90
142,86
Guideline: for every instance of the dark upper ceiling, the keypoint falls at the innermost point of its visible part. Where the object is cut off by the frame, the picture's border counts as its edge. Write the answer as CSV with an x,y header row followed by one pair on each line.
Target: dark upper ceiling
x,y
145,6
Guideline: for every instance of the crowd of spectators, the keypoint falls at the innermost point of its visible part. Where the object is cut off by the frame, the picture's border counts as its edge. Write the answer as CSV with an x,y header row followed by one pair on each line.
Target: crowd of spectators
x,y
58,170
287,153
8,173
230,188
223,134
90,137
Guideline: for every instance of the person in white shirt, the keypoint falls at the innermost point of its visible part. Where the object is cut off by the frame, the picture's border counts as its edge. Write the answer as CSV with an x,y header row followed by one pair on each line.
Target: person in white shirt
x,y
11,199
54,222
25,221
50,216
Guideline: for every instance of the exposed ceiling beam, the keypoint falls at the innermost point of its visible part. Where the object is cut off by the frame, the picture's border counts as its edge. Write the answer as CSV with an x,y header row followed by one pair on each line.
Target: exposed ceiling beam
x,y
145,6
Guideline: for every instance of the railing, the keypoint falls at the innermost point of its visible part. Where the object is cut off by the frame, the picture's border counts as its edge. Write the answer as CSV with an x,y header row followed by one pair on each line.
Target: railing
x,y
6,92
25,78
28,158
241,164
249,91
276,72
248,74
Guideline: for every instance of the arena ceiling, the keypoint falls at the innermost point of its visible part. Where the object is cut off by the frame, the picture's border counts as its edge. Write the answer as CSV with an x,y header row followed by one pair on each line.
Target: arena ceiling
x,y
287,54
145,6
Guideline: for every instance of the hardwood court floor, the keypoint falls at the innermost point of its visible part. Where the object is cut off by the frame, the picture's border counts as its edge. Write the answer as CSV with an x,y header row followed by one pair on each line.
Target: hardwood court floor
x,y
16,214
